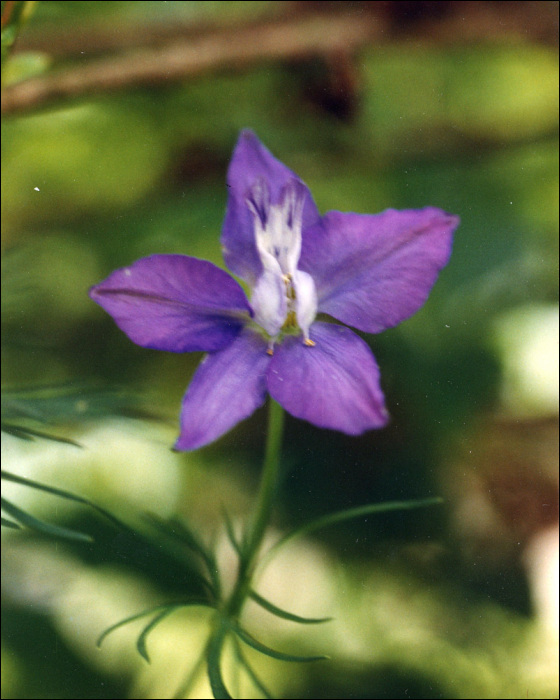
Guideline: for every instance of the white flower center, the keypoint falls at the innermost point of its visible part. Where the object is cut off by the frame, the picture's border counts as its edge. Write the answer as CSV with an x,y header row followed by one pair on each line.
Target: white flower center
x,y
284,297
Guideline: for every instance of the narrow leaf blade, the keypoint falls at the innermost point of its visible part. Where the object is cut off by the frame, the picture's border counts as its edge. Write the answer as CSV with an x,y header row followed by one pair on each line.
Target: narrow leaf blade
x,y
275,610
259,685
263,649
166,607
39,526
215,647
10,524
183,533
24,433
179,532
141,641
126,620
16,479
341,516
231,533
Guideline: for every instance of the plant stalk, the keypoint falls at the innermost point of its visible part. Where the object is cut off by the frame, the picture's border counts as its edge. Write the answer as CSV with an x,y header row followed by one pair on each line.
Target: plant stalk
x,y
263,507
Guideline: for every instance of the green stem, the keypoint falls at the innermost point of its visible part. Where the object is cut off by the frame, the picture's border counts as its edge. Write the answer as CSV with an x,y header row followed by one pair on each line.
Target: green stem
x,y
269,479
263,507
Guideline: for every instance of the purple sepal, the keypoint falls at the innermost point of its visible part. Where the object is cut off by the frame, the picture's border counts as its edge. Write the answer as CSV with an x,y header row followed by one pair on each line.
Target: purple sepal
x,y
226,388
251,164
374,271
334,384
175,303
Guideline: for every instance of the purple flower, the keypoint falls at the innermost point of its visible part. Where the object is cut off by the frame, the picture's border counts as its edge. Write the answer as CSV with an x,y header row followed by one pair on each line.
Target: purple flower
x,y
367,271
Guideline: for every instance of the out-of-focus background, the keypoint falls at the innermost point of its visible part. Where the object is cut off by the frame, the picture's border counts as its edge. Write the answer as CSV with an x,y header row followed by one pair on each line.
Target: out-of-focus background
x,y
119,119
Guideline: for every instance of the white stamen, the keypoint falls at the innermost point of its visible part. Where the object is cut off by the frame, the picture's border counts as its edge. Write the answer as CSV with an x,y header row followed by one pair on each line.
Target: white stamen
x,y
277,226
283,294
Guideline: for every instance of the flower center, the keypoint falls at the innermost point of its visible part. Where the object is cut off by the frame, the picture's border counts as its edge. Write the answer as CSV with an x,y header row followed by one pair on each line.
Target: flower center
x,y
284,299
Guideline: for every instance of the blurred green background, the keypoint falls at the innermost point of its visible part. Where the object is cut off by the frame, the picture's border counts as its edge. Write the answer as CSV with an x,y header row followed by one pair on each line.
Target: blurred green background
x,y
449,104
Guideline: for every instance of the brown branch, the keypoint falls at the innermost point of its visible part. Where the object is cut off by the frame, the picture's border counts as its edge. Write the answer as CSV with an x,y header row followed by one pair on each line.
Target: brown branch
x,y
461,20
181,60
190,52
96,37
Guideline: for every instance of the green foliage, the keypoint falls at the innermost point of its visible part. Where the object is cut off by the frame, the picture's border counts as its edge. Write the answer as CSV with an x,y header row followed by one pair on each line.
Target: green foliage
x,y
10,524
14,16
215,648
275,610
180,531
162,611
39,526
244,636
46,528
350,514
26,433
259,685
95,184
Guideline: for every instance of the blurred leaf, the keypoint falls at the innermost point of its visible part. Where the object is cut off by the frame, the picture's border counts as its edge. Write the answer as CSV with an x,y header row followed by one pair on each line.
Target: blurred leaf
x,y
419,98
259,685
23,409
141,641
215,647
9,523
349,514
181,532
39,526
231,533
69,402
166,609
14,478
45,280
503,92
26,65
263,649
77,159
286,615
24,433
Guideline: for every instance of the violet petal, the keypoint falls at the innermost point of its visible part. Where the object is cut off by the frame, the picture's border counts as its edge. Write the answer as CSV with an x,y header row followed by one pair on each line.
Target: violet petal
x,y
334,384
252,162
174,303
374,271
226,388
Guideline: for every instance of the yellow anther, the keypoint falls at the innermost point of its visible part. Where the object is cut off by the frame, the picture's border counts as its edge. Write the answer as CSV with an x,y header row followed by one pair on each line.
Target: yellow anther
x,y
310,343
270,352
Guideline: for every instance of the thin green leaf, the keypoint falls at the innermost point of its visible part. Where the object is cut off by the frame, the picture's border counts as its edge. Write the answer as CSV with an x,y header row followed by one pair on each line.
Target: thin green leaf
x,y
141,641
341,516
126,620
8,476
231,533
9,523
39,526
70,402
181,532
215,647
187,684
267,605
263,649
166,607
259,685
24,433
